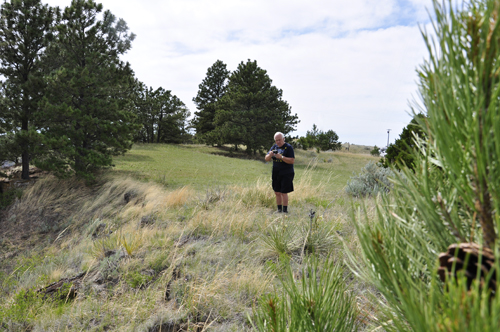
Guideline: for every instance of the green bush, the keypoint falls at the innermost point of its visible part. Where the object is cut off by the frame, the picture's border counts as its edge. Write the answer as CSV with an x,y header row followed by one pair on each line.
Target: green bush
x,y
370,181
8,197
20,315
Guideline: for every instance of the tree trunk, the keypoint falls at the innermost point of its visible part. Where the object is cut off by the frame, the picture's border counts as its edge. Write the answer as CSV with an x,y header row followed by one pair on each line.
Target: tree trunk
x,y
25,174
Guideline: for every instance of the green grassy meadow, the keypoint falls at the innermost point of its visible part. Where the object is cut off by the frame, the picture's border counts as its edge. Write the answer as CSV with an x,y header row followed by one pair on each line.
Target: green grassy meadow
x,y
202,167
174,238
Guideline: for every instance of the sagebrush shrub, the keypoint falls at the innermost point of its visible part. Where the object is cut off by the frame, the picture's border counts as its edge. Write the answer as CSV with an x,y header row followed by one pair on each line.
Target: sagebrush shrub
x,y
370,181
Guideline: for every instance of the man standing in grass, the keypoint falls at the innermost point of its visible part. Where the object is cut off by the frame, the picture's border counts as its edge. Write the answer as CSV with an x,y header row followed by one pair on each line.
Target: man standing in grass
x,y
283,158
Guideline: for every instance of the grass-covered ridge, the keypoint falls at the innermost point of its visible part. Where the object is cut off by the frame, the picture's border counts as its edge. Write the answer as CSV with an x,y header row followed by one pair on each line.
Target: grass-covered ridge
x,y
193,250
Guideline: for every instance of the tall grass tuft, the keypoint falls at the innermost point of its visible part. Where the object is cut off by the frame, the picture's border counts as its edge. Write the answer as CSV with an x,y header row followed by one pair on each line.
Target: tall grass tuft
x,y
259,194
179,197
305,187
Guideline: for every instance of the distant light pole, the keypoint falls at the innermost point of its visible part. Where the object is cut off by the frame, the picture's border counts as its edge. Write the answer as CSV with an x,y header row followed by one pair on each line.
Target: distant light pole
x,y
388,130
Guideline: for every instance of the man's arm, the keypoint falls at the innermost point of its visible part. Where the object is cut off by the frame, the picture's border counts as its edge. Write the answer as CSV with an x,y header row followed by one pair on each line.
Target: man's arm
x,y
288,160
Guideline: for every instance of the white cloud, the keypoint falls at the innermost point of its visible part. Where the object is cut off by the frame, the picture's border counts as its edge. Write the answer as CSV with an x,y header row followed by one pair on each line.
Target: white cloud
x,y
344,65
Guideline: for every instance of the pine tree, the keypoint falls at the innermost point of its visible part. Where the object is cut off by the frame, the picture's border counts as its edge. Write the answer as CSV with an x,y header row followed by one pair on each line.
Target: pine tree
x,y
163,115
173,117
211,90
144,109
449,202
25,31
252,109
86,106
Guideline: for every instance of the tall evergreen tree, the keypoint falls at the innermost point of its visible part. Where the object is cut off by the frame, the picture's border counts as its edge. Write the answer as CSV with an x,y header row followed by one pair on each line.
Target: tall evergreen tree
x,y
25,30
163,115
86,104
252,109
211,90
172,122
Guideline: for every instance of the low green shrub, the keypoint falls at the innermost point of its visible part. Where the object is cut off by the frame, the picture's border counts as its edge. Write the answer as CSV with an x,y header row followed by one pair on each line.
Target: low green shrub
x,y
20,315
8,197
372,179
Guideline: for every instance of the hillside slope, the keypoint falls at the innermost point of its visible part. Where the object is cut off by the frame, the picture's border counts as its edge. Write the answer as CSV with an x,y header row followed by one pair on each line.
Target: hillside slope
x,y
193,249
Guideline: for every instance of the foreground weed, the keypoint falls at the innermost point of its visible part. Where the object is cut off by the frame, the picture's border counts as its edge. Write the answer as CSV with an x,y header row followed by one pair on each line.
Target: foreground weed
x,y
106,246
100,248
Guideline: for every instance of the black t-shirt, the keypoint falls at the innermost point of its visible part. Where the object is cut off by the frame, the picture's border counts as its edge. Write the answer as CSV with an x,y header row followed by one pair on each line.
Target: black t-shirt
x,y
279,165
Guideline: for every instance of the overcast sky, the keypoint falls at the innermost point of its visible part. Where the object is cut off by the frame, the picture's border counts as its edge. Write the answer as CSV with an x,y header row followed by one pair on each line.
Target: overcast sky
x,y
343,65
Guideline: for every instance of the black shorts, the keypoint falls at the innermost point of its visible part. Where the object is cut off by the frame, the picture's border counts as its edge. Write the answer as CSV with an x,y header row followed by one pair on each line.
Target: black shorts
x,y
282,183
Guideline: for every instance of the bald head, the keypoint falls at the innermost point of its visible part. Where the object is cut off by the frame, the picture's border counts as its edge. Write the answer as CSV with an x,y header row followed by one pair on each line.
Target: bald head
x,y
279,138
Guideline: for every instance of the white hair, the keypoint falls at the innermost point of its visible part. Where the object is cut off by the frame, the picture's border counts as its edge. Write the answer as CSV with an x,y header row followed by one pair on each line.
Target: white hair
x,y
279,134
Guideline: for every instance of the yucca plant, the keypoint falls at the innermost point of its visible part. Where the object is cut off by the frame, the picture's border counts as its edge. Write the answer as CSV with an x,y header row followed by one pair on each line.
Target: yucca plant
x,y
452,196
281,238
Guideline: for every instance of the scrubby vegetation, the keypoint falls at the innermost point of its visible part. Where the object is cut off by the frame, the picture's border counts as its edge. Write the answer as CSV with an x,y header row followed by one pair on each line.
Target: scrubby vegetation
x,y
151,254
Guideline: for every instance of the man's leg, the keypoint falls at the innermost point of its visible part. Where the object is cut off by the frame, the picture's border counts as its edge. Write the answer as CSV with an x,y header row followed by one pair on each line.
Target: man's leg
x,y
284,200
279,201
